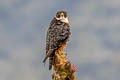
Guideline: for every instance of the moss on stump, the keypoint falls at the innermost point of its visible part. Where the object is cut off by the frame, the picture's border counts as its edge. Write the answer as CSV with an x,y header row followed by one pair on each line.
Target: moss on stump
x,y
63,70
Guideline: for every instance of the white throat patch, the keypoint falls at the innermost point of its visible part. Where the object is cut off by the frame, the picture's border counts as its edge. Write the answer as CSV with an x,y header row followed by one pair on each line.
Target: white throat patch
x,y
65,20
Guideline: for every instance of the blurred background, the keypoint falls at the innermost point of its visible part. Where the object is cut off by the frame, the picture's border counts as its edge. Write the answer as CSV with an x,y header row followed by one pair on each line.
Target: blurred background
x,y
94,46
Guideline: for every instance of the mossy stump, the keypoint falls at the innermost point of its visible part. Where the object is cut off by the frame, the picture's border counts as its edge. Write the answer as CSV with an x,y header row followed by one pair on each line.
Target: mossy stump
x,y
62,68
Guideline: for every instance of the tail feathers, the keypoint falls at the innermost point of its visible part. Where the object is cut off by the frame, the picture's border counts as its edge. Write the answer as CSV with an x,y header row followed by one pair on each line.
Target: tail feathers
x,y
48,54
50,62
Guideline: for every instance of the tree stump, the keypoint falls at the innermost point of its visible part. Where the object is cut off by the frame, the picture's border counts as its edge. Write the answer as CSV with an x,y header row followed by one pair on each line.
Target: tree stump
x,y
63,70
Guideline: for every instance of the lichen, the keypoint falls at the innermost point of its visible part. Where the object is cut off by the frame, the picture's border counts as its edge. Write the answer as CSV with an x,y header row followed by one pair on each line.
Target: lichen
x,y
63,70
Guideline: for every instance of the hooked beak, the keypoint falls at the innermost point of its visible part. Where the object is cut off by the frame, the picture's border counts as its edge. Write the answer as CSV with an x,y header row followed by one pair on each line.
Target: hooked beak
x,y
64,20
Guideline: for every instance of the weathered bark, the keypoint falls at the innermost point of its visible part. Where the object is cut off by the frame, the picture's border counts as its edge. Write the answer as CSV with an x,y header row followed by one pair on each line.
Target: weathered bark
x,y
63,70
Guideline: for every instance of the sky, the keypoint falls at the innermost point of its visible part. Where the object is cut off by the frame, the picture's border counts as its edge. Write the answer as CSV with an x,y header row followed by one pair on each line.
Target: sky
x,y
94,46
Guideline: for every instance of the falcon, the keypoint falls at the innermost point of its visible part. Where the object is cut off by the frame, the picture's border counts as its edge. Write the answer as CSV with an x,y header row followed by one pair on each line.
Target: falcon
x,y
57,36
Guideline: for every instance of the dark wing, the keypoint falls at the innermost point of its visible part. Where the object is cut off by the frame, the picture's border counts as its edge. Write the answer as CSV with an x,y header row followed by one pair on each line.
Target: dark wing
x,y
57,35
49,36
63,34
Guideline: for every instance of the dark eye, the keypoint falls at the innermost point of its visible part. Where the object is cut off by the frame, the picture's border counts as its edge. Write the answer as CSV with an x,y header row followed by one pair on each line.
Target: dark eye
x,y
58,16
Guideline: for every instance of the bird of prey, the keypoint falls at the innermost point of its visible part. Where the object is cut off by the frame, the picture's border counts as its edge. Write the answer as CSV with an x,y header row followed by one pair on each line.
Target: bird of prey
x,y
57,36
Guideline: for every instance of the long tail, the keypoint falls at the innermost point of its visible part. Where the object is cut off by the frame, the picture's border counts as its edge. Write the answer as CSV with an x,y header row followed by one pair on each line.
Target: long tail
x,y
48,54
51,60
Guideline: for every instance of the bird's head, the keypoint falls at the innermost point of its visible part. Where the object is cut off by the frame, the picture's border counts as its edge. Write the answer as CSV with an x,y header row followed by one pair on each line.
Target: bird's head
x,y
62,16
